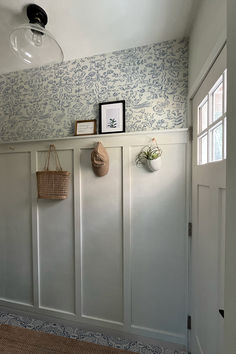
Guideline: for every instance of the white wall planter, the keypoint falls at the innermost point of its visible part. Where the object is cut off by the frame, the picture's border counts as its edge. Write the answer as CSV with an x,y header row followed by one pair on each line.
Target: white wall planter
x,y
154,165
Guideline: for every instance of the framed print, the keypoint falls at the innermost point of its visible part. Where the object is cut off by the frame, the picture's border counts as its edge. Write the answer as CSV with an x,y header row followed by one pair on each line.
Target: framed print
x,y
112,117
85,127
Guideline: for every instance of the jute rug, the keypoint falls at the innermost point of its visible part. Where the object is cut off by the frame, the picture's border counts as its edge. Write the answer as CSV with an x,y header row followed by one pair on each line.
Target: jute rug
x,y
15,340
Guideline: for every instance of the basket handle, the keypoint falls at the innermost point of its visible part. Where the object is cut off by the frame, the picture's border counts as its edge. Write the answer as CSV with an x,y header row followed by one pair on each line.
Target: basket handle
x,y
52,151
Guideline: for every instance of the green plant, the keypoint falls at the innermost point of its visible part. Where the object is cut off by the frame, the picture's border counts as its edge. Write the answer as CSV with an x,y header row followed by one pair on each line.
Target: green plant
x,y
112,123
148,152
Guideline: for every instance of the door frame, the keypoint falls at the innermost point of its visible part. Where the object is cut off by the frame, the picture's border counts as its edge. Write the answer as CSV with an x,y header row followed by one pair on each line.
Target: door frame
x,y
193,90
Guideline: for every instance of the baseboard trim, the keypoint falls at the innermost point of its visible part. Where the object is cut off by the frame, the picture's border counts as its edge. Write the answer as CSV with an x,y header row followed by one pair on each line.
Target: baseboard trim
x,y
15,303
159,334
32,310
102,320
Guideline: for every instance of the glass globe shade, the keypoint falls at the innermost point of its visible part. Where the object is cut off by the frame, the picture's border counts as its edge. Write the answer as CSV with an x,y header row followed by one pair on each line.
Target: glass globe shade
x,y
35,45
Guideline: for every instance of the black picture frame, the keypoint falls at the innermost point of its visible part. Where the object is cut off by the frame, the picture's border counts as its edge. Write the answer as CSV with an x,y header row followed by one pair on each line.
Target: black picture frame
x,y
115,109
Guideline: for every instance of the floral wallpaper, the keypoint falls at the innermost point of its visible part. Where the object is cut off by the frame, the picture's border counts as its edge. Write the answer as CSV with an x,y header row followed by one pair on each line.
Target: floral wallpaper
x,y
45,102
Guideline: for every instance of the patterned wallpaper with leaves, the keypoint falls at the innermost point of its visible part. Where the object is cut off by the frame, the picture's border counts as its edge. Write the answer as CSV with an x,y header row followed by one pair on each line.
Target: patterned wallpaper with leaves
x,y
45,102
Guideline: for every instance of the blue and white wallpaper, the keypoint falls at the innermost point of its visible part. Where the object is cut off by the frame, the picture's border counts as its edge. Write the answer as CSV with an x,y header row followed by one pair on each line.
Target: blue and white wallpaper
x,y
45,102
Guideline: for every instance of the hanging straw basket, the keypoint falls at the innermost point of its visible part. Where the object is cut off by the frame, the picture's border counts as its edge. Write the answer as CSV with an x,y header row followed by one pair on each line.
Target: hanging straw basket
x,y
53,184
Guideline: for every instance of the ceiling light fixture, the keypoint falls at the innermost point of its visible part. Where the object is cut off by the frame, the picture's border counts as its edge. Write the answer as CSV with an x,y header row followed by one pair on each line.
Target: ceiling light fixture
x,y
32,43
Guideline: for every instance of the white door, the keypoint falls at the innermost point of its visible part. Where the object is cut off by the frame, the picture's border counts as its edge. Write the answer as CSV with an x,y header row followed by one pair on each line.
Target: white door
x,y
208,211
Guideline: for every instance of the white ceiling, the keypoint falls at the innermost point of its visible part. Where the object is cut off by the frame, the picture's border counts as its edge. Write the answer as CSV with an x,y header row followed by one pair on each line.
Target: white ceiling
x,y
88,27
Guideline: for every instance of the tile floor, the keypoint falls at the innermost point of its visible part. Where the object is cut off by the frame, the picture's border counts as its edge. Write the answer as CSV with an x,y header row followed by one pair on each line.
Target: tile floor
x,y
135,346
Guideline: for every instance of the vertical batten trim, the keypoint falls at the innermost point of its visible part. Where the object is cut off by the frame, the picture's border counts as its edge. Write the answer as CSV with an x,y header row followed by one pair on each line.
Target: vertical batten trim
x,y
188,240
126,238
77,232
80,227
34,225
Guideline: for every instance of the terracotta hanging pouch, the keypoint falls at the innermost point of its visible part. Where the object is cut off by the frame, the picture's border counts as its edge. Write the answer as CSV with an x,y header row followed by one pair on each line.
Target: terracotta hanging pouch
x,y
100,160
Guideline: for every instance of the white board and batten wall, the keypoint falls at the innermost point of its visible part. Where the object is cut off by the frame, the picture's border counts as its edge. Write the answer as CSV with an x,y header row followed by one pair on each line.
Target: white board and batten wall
x,y
114,254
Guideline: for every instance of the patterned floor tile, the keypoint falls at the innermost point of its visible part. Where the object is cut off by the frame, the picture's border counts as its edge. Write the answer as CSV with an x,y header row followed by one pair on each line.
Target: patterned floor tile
x,y
85,335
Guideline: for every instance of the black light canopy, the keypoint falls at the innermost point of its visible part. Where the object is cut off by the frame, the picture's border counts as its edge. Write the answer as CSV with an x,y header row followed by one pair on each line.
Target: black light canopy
x,y
37,15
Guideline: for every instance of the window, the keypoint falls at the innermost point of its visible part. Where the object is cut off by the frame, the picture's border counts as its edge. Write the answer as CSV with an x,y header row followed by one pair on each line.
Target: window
x,y
211,135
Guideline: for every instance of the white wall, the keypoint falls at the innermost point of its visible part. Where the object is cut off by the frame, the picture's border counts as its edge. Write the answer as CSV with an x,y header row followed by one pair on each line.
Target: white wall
x,y
114,253
207,36
230,275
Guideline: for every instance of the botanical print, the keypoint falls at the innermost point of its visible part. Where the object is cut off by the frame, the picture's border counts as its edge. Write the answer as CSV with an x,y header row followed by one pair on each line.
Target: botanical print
x,y
112,116
45,102
112,123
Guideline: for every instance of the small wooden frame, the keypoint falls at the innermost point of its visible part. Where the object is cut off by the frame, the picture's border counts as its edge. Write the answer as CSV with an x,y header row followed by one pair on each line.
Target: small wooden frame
x,y
85,127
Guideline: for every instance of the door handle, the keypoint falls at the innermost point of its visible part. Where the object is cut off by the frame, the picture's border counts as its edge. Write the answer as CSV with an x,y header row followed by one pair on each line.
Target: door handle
x,y
222,312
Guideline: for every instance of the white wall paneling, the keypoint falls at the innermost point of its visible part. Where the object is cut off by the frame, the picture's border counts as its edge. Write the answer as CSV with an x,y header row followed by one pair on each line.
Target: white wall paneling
x,y
158,243
102,239
56,245
15,228
114,253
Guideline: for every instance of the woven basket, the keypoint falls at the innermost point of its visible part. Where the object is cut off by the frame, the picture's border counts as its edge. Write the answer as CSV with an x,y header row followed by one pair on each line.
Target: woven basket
x,y
53,184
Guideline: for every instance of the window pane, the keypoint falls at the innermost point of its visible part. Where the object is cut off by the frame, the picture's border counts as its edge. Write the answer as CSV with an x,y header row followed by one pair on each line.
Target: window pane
x,y
225,90
203,150
203,112
212,123
218,102
217,140
225,137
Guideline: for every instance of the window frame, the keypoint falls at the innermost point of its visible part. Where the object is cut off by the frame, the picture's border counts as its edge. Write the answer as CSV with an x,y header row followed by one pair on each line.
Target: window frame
x,y
212,124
